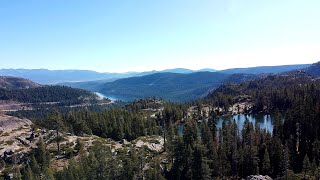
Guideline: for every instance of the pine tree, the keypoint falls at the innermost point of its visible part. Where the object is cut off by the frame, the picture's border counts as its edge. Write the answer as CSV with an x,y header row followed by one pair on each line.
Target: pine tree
x,y
127,171
200,167
178,159
190,133
48,174
250,161
90,166
35,166
28,175
213,158
55,121
306,165
266,163
101,153
206,135
284,165
187,162
41,155
17,173
313,167
154,173
113,168
72,170
79,145
316,151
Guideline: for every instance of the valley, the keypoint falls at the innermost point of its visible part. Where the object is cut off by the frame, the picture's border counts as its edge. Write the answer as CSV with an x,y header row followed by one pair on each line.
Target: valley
x,y
62,132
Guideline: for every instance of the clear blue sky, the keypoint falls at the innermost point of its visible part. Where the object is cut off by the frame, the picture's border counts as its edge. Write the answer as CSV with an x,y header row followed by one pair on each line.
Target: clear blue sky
x,y
128,35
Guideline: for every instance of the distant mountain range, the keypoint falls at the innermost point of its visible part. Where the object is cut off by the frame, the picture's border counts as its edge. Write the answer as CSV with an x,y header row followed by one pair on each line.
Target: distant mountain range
x,y
265,69
173,84
182,85
45,76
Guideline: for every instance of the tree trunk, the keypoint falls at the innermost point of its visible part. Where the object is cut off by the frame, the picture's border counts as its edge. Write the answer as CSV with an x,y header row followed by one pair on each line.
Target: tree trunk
x,y
58,140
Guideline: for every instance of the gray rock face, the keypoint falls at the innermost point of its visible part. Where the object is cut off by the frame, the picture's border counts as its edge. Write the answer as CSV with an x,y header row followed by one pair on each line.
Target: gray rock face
x,y
258,177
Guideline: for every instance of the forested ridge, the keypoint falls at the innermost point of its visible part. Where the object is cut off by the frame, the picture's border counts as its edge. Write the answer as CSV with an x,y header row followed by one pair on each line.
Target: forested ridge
x,y
9,82
274,92
46,94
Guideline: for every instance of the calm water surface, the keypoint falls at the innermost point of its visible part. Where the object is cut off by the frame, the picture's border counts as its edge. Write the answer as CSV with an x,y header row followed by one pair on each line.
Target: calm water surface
x,y
264,121
112,98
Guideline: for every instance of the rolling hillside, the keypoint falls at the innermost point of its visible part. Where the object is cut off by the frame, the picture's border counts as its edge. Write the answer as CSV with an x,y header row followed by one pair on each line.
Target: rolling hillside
x,y
182,85
8,82
314,69
26,91
170,86
271,92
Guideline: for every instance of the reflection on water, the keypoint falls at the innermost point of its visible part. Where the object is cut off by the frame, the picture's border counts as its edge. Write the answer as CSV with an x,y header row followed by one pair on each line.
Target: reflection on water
x,y
112,98
263,121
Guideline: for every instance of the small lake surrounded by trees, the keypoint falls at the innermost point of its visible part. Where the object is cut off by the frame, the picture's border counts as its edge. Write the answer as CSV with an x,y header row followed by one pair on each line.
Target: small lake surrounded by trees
x,y
263,121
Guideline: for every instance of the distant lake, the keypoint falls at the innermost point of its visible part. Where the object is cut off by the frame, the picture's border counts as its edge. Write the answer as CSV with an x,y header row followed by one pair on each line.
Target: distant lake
x,y
112,98
264,121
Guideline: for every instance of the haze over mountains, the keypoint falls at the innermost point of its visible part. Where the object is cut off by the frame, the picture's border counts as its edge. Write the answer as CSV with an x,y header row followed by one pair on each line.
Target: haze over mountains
x,y
45,76
178,86
170,86
173,84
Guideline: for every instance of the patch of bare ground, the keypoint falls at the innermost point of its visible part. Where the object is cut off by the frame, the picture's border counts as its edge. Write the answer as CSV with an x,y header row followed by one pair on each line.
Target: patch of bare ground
x,y
6,106
15,136
14,132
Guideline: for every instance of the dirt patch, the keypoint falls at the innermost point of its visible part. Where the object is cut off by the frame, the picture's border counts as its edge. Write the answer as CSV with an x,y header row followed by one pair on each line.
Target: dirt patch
x,y
9,123
15,133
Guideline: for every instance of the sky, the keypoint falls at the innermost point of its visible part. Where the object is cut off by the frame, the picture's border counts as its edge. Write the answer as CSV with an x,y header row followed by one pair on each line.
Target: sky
x,y
143,35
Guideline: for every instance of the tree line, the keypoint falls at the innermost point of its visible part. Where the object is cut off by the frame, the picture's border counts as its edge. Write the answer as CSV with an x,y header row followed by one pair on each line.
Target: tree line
x,y
45,94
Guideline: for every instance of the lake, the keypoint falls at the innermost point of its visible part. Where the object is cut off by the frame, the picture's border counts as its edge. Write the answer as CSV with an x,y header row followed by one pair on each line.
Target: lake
x,y
112,98
264,121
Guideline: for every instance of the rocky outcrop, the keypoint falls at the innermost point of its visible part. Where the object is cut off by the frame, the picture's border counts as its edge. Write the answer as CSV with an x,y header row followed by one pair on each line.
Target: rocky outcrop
x,y
15,136
258,177
9,123
153,143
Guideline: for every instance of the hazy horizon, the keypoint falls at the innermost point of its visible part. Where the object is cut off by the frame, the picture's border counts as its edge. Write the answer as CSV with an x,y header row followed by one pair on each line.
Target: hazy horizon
x,y
150,69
